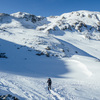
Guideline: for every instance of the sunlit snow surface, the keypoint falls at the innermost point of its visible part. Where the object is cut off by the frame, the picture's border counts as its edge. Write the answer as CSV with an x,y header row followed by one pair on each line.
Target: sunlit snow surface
x,y
73,63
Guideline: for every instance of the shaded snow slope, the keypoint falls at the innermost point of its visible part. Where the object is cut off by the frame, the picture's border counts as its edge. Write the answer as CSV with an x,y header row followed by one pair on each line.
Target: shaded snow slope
x,y
25,61
65,48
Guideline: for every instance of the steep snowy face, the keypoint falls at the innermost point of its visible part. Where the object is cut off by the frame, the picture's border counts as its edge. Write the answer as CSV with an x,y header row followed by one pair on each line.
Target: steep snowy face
x,y
27,16
82,22
20,31
40,33
19,19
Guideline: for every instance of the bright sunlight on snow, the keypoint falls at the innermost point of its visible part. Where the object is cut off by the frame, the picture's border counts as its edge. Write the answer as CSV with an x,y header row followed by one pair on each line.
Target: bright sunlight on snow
x,y
65,48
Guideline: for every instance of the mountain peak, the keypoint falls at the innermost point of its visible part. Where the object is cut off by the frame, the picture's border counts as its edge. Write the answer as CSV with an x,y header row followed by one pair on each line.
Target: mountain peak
x,y
27,16
20,14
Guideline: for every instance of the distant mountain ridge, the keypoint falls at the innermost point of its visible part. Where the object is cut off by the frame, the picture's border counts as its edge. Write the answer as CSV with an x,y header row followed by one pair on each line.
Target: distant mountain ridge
x,y
83,22
39,33
78,21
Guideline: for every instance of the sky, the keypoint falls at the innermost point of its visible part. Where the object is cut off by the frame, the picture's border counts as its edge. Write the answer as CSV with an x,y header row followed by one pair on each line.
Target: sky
x,y
48,7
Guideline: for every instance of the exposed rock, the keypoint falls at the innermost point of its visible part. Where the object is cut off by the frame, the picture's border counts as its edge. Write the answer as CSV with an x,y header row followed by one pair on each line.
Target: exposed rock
x,y
3,55
47,48
8,97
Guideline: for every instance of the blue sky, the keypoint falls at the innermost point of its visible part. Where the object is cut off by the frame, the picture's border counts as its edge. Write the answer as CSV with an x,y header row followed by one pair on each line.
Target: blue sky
x,y
48,7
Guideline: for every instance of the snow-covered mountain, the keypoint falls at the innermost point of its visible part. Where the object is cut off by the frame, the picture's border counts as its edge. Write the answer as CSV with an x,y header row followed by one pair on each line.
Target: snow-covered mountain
x,y
65,48
84,22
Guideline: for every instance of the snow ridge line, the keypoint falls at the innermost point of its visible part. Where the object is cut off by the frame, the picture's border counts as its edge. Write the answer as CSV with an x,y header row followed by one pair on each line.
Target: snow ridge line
x,y
84,67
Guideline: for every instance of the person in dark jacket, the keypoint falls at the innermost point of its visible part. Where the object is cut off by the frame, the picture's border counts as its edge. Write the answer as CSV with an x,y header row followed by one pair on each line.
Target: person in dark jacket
x,y
49,83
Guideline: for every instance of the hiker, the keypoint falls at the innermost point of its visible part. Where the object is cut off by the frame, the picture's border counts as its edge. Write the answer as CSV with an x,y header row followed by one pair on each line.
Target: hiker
x,y
49,83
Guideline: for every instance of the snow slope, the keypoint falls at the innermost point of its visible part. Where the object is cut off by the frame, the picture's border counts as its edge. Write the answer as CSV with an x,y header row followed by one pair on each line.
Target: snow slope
x,y
33,48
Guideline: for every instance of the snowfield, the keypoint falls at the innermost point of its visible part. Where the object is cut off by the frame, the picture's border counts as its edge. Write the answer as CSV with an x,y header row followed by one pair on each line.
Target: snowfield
x,y
32,49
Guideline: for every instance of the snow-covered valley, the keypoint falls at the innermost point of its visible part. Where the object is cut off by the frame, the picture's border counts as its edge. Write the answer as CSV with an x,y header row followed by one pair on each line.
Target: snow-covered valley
x,y
64,48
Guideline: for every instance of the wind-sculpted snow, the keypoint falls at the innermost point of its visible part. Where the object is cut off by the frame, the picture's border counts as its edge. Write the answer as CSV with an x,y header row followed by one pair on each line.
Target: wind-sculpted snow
x,y
65,48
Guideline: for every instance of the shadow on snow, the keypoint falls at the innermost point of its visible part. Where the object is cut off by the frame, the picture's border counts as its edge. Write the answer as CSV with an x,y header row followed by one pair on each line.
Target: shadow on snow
x,y
23,61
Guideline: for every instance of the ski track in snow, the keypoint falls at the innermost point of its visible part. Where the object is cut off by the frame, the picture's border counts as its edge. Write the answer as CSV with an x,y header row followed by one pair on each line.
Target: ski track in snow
x,y
26,91
56,95
64,89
